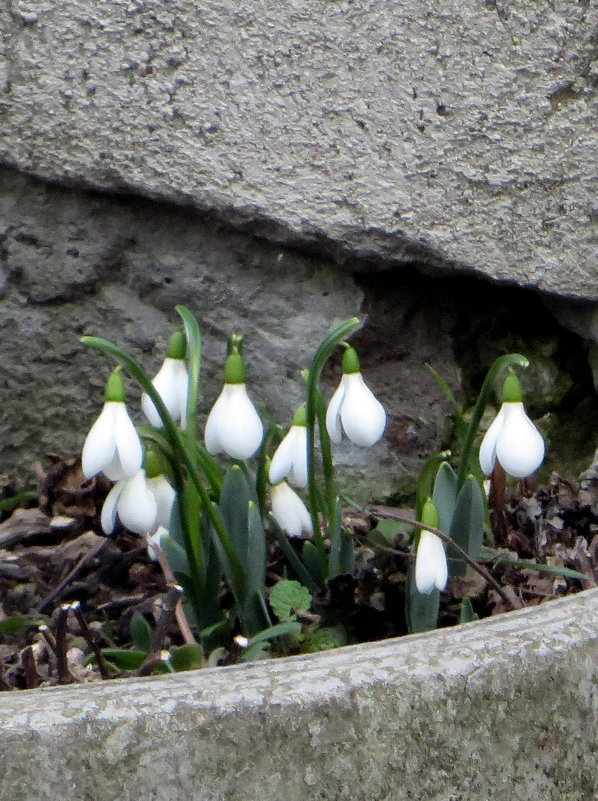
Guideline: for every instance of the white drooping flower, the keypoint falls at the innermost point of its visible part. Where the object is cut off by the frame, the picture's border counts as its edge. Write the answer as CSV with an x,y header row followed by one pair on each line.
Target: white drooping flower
x,y
158,485
354,408
512,438
112,445
171,383
290,458
431,569
233,426
289,511
133,502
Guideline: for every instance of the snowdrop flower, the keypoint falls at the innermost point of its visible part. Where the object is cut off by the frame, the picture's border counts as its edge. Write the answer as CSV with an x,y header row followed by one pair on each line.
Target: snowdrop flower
x,y
113,445
290,512
171,383
290,458
133,502
233,426
354,407
431,570
162,491
512,438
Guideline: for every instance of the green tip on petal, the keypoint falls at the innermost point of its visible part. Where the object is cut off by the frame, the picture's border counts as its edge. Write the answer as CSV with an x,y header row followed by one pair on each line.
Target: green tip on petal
x,y
151,464
234,370
350,361
300,418
115,387
511,391
177,346
430,514
235,344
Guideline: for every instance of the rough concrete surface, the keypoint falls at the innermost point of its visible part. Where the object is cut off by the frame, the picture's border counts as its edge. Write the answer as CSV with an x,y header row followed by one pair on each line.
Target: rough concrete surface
x,y
504,708
461,134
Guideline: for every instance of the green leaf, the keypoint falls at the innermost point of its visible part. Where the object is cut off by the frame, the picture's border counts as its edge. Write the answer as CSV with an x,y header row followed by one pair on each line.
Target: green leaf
x,y
259,650
175,554
123,659
312,562
294,561
425,482
141,633
444,495
193,337
386,532
467,615
467,526
14,624
288,597
555,570
421,610
186,657
279,630
234,505
321,640
17,500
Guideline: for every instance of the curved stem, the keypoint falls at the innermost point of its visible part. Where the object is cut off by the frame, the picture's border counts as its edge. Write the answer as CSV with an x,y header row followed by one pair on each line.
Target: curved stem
x,y
321,356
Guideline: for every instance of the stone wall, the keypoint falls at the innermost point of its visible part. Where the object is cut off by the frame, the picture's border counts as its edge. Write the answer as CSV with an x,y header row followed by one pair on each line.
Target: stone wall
x,y
279,167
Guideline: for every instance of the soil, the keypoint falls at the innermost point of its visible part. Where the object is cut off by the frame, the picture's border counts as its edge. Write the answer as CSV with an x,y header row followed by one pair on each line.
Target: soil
x,y
67,591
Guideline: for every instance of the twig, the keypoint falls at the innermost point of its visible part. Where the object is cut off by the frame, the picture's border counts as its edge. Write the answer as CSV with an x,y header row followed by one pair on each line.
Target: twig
x,y
58,591
169,604
89,636
64,674
32,677
389,514
181,617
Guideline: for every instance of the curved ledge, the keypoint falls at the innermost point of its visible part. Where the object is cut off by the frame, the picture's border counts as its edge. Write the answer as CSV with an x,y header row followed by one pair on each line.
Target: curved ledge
x,y
506,704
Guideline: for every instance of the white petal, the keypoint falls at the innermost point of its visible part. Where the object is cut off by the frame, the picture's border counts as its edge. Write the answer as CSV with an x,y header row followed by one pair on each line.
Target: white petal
x,y
362,415
298,473
156,539
100,445
430,564
233,425
164,496
167,383
282,461
289,510
488,446
128,443
182,390
108,517
520,448
136,505
333,420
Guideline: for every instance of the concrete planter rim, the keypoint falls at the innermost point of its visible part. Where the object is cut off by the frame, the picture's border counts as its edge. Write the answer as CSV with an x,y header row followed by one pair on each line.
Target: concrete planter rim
x,y
273,713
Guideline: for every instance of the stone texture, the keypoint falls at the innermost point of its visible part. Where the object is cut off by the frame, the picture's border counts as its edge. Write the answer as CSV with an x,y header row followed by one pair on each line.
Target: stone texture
x,y
460,134
502,708
75,263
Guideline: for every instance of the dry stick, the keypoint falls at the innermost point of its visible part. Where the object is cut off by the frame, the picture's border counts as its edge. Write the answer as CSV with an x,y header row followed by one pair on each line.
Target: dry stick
x,y
169,605
64,675
388,514
181,617
32,677
88,634
57,591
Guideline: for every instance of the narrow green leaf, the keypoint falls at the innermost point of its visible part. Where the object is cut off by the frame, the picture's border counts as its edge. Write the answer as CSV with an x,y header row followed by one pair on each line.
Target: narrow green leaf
x,y
175,554
425,481
234,504
467,614
467,526
279,630
14,624
294,561
460,422
193,336
311,560
123,659
335,534
444,495
141,632
421,610
18,500
555,570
